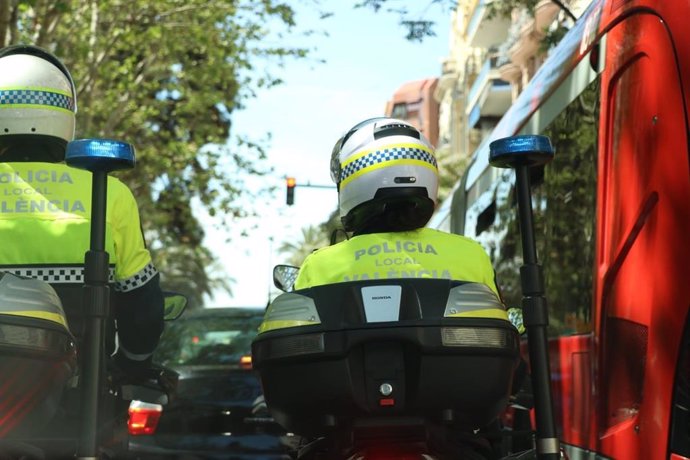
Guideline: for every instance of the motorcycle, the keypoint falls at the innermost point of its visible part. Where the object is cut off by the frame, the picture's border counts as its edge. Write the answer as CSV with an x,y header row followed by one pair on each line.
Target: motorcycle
x,y
387,369
53,405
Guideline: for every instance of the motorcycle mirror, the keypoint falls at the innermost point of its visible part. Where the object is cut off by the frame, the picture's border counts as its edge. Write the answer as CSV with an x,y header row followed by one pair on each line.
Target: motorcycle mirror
x,y
284,277
103,155
173,306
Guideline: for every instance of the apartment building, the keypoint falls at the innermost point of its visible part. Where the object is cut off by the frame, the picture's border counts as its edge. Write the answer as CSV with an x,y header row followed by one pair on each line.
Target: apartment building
x,y
414,102
491,58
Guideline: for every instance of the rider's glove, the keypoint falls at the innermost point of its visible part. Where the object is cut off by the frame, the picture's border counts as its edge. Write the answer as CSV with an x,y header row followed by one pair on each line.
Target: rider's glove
x,y
515,317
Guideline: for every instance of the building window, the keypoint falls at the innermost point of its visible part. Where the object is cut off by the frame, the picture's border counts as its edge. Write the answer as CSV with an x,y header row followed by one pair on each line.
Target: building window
x,y
399,111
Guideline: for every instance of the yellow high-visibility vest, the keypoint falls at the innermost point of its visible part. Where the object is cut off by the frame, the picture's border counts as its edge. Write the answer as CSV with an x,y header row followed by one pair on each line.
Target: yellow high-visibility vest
x,y
421,253
45,219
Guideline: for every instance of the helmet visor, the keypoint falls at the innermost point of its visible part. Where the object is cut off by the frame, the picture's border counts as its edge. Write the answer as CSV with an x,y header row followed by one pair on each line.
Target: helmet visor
x,y
335,161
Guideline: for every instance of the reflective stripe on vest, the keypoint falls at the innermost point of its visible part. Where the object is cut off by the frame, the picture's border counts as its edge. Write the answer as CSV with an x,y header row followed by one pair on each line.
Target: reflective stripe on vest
x,y
74,274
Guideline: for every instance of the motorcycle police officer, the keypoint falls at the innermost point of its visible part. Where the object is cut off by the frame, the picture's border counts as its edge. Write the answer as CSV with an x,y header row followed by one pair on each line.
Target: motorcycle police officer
x,y
387,179
45,206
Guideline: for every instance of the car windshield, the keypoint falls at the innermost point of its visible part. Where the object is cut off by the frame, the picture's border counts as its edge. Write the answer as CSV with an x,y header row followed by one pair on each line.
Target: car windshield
x,y
208,339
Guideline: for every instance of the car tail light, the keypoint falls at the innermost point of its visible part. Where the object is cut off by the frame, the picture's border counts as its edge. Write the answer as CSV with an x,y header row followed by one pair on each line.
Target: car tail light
x,y
246,362
143,418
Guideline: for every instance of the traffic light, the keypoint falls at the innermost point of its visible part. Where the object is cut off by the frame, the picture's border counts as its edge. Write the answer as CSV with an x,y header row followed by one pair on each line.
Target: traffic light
x,y
290,190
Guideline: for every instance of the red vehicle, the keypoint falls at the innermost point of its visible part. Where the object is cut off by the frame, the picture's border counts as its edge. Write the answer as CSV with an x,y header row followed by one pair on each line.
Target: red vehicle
x,y
612,217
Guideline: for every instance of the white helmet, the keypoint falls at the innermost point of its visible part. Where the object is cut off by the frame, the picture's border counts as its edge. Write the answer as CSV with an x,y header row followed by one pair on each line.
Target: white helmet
x,y
37,98
379,162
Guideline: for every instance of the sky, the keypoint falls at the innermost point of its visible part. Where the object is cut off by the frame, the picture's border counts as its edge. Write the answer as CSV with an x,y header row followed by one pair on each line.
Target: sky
x,y
367,60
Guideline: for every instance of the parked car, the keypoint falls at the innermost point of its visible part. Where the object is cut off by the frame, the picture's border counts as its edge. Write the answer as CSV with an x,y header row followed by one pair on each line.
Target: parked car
x,y
217,410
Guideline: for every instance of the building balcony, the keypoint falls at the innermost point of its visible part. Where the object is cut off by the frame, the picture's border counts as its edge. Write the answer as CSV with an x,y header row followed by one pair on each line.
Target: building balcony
x,y
490,96
448,80
484,32
449,66
527,46
526,43
544,14
510,72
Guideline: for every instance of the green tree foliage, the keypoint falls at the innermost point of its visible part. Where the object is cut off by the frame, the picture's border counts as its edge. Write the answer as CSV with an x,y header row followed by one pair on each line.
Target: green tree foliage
x,y
312,238
166,75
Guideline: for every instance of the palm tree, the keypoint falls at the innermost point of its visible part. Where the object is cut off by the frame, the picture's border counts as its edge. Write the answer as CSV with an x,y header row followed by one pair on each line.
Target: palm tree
x,y
313,237
185,275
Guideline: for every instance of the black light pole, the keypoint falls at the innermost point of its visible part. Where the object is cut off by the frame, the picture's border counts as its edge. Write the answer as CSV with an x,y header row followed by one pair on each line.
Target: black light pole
x,y
96,310
99,156
521,153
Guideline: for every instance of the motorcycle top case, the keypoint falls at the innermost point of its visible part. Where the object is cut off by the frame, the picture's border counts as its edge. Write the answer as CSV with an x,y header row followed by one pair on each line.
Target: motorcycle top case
x,y
37,354
381,351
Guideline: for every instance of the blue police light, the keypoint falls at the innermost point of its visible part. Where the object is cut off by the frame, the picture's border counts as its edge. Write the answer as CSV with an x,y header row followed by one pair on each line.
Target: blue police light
x,y
523,150
100,154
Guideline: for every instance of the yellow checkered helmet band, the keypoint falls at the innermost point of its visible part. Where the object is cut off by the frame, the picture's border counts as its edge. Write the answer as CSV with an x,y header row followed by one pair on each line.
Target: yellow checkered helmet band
x,y
36,98
392,153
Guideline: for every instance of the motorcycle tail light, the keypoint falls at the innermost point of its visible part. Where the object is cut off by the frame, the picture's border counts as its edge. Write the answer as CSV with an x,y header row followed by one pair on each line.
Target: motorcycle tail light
x,y
34,339
298,345
143,418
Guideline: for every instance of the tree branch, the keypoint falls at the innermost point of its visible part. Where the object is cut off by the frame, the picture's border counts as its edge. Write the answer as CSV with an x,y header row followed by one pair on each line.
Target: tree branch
x,y
48,21
6,7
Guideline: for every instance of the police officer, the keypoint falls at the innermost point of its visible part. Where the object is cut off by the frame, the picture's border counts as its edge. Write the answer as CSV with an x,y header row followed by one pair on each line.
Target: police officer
x,y
45,206
387,180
